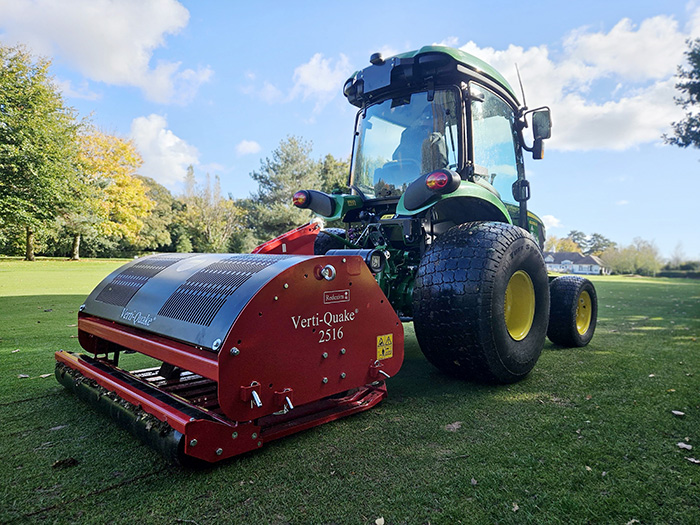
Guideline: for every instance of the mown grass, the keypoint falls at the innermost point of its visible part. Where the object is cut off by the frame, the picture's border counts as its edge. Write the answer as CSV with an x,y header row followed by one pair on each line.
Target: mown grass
x,y
588,437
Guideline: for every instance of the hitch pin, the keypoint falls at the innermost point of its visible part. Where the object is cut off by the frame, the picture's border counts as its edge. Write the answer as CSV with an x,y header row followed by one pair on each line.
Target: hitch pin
x,y
289,403
384,374
256,399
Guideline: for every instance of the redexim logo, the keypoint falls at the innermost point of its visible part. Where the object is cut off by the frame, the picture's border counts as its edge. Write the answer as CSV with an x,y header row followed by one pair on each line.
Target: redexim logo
x,y
336,296
137,317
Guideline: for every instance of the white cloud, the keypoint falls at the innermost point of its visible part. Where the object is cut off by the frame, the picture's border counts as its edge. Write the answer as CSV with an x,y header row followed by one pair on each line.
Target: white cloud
x,y
109,41
609,90
386,51
550,221
82,91
622,203
268,92
165,155
320,78
650,51
247,147
450,41
694,15
213,167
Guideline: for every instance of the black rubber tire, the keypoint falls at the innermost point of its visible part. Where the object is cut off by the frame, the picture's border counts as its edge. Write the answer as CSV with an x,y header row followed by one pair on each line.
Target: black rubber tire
x,y
566,292
324,242
459,302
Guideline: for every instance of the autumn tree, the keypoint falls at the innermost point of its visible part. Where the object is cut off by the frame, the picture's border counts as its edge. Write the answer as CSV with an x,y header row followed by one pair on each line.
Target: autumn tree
x,y
113,199
38,144
687,131
556,244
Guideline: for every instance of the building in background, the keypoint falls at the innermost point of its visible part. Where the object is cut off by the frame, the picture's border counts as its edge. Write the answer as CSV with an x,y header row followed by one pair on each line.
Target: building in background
x,y
573,262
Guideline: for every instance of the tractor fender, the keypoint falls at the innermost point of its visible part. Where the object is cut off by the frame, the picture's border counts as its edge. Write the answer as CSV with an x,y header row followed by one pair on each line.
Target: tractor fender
x,y
470,202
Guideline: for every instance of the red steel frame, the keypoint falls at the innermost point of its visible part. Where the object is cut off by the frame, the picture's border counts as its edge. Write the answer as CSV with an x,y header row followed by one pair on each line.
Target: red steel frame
x,y
216,437
297,241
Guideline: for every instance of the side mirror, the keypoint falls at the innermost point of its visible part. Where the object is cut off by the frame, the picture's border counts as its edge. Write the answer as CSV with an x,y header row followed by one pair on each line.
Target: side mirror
x,y
541,124
538,149
541,130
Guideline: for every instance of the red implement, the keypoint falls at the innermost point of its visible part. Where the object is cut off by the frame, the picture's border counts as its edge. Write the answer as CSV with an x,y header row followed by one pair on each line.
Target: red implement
x,y
297,241
255,347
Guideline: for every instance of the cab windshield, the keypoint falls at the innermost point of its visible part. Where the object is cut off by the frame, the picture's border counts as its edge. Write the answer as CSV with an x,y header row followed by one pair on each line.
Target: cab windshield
x,y
401,139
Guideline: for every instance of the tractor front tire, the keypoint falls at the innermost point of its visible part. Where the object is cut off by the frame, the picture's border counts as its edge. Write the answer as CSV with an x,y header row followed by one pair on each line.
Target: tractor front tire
x,y
325,242
573,311
481,302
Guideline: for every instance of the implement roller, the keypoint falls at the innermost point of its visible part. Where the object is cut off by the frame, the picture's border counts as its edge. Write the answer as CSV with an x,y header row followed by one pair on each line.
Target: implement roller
x,y
254,347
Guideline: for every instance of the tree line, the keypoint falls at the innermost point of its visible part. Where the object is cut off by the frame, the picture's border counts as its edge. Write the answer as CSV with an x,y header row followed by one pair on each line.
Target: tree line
x,y
640,257
68,188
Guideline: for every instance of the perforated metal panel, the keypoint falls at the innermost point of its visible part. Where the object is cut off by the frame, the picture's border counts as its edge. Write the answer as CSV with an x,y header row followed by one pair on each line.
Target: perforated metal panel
x,y
126,283
194,298
200,297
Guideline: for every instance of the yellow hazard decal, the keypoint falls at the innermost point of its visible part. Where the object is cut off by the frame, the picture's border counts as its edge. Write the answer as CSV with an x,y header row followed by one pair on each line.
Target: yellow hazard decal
x,y
385,346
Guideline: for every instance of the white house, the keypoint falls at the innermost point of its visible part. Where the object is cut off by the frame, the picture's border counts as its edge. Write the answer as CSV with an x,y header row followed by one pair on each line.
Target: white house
x,y
573,262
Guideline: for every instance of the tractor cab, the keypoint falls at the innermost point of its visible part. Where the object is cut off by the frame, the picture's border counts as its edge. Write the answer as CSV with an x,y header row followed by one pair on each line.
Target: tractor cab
x,y
438,124
398,140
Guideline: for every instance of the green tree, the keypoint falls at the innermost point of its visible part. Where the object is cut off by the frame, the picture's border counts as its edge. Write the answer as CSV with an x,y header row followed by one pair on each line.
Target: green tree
x,y
596,244
38,144
687,131
620,260
578,238
641,257
577,241
210,218
156,231
290,168
334,174
647,257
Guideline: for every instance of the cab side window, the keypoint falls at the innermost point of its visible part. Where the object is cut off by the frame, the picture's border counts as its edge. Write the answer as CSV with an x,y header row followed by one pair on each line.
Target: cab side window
x,y
496,155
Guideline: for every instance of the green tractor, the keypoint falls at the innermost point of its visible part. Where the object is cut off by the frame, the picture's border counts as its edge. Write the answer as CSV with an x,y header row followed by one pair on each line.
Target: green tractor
x,y
438,206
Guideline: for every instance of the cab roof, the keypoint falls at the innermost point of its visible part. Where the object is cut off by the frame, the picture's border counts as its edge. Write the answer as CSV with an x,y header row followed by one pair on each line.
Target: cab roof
x,y
411,68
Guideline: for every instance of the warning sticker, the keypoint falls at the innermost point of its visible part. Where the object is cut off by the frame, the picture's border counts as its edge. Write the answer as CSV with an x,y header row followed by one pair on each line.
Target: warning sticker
x,y
385,347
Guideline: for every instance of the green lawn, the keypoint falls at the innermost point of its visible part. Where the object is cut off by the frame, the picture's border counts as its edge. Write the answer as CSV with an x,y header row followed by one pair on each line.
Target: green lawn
x,y
589,437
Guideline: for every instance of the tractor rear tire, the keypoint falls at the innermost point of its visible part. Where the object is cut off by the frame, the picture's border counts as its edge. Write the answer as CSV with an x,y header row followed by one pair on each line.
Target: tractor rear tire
x,y
573,311
481,302
324,242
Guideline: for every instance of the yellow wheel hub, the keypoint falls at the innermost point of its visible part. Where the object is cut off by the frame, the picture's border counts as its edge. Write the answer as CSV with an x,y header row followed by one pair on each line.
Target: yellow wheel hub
x,y
520,305
583,313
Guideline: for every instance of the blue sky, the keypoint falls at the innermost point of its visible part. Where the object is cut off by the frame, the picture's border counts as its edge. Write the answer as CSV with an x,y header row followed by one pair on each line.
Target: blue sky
x,y
218,84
